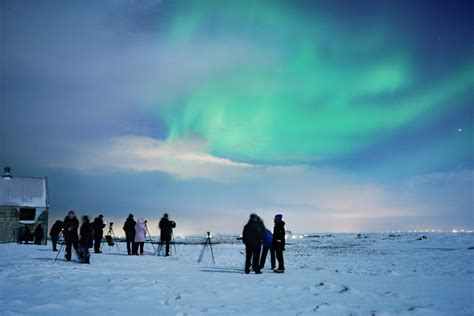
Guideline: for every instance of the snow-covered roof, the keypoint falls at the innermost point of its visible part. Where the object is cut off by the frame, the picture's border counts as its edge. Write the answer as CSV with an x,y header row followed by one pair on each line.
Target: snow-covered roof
x,y
23,192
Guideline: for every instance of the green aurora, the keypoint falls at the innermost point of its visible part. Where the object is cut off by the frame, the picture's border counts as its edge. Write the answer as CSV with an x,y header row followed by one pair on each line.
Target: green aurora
x,y
314,99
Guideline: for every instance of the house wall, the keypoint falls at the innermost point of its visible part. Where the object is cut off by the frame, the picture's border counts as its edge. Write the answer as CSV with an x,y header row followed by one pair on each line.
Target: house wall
x,y
10,224
9,217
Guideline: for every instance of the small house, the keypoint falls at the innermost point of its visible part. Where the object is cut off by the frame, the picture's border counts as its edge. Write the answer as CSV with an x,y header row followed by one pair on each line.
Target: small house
x,y
23,205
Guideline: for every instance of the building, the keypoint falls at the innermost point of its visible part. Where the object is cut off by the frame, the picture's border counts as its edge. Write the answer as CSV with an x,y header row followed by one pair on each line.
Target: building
x,y
23,204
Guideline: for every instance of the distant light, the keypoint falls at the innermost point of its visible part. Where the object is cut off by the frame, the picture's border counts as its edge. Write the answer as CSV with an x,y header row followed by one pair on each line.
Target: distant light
x,y
459,129
432,230
462,230
454,231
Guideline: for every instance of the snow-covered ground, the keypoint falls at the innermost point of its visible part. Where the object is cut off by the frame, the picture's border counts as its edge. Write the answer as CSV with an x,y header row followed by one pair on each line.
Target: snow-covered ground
x,y
338,275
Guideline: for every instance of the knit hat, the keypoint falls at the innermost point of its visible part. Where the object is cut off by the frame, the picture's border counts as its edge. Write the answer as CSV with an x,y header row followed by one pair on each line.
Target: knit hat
x,y
278,217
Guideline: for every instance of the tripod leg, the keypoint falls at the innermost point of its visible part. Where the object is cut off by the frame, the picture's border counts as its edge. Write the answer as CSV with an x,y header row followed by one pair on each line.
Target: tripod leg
x,y
60,249
151,240
212,252
174,244
115,239
202,252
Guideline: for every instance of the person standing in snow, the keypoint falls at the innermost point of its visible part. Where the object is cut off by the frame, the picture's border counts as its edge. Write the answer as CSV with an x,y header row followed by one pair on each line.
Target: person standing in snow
x,y
267,245
129,228
70,226
55,232
98,226
252,236
87,236
278,244
166,231
39,234
140,236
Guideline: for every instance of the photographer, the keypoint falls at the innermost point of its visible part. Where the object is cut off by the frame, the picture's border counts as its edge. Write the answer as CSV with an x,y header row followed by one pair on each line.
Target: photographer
x,y
140,236
98,226
129,229
70,226
166,226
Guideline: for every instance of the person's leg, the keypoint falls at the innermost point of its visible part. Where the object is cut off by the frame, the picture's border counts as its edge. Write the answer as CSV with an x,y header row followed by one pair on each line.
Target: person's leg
x,y
263,257
97,241
272,258
54,241
279,255
68,250
142,244
129,246
256,259
248,258
134,248
167,248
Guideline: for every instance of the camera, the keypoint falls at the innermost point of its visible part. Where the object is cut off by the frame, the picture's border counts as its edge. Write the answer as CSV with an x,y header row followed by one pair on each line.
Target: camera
x,y
111,223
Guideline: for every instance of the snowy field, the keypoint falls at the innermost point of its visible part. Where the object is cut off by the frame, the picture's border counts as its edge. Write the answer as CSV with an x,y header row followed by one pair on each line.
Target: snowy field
x,y
335,275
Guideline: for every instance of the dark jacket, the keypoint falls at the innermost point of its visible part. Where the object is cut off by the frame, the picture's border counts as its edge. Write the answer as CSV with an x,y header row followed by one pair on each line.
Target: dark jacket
x,y
98,225
129,228
56,229
39,232
279,236
253,233
87,235
70,228
166,227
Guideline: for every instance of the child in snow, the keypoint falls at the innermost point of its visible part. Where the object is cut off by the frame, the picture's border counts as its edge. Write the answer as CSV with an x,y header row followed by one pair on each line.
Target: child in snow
x,y
140,236
279,242
87,237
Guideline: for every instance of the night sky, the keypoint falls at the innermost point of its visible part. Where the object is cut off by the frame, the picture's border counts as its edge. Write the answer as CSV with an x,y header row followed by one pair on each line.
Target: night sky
x,y
344,116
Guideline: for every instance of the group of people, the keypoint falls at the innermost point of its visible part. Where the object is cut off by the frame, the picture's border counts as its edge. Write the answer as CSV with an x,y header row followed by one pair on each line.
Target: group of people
x,y
258,240
24,235
91,234
255,235
135,234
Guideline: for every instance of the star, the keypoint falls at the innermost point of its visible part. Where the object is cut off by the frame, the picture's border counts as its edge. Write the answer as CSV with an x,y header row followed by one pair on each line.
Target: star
x,y
459,129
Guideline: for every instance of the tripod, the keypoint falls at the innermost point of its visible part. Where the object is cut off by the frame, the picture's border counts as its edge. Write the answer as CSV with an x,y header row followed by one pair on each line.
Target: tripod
x,y
63,242
151,240
111,234
160,247
208,241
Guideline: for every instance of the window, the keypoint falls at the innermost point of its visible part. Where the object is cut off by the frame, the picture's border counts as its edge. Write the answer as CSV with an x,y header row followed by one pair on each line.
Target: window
x,y
27,214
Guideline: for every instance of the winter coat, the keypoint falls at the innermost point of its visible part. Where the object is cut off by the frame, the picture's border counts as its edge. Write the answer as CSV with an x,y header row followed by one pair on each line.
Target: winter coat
x,y
140,231
253,233
39,232
70,228
87,235
166,227
56,229
279,236
267,239
129,228
98,226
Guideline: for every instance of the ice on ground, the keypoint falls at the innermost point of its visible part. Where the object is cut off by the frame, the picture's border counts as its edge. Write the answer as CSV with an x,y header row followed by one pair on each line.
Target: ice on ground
x,y
335,275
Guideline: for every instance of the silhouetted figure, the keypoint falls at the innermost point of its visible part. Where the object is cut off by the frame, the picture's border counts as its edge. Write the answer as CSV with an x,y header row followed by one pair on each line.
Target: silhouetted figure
x,y
54,233
267,245
166,231
87,236
39,234
252,236
140,236
70,226
279,242
129,228
98,226
26,234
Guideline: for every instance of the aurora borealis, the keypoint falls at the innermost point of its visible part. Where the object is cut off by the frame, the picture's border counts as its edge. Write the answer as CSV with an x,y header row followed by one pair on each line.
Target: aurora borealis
x,y
343,115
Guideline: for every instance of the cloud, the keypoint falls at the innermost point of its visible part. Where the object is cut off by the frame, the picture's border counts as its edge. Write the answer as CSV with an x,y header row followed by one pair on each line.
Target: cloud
x,y
183,159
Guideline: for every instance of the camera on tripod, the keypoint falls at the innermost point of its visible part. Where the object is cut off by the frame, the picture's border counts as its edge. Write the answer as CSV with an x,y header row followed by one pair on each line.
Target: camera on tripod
x,y
111,224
